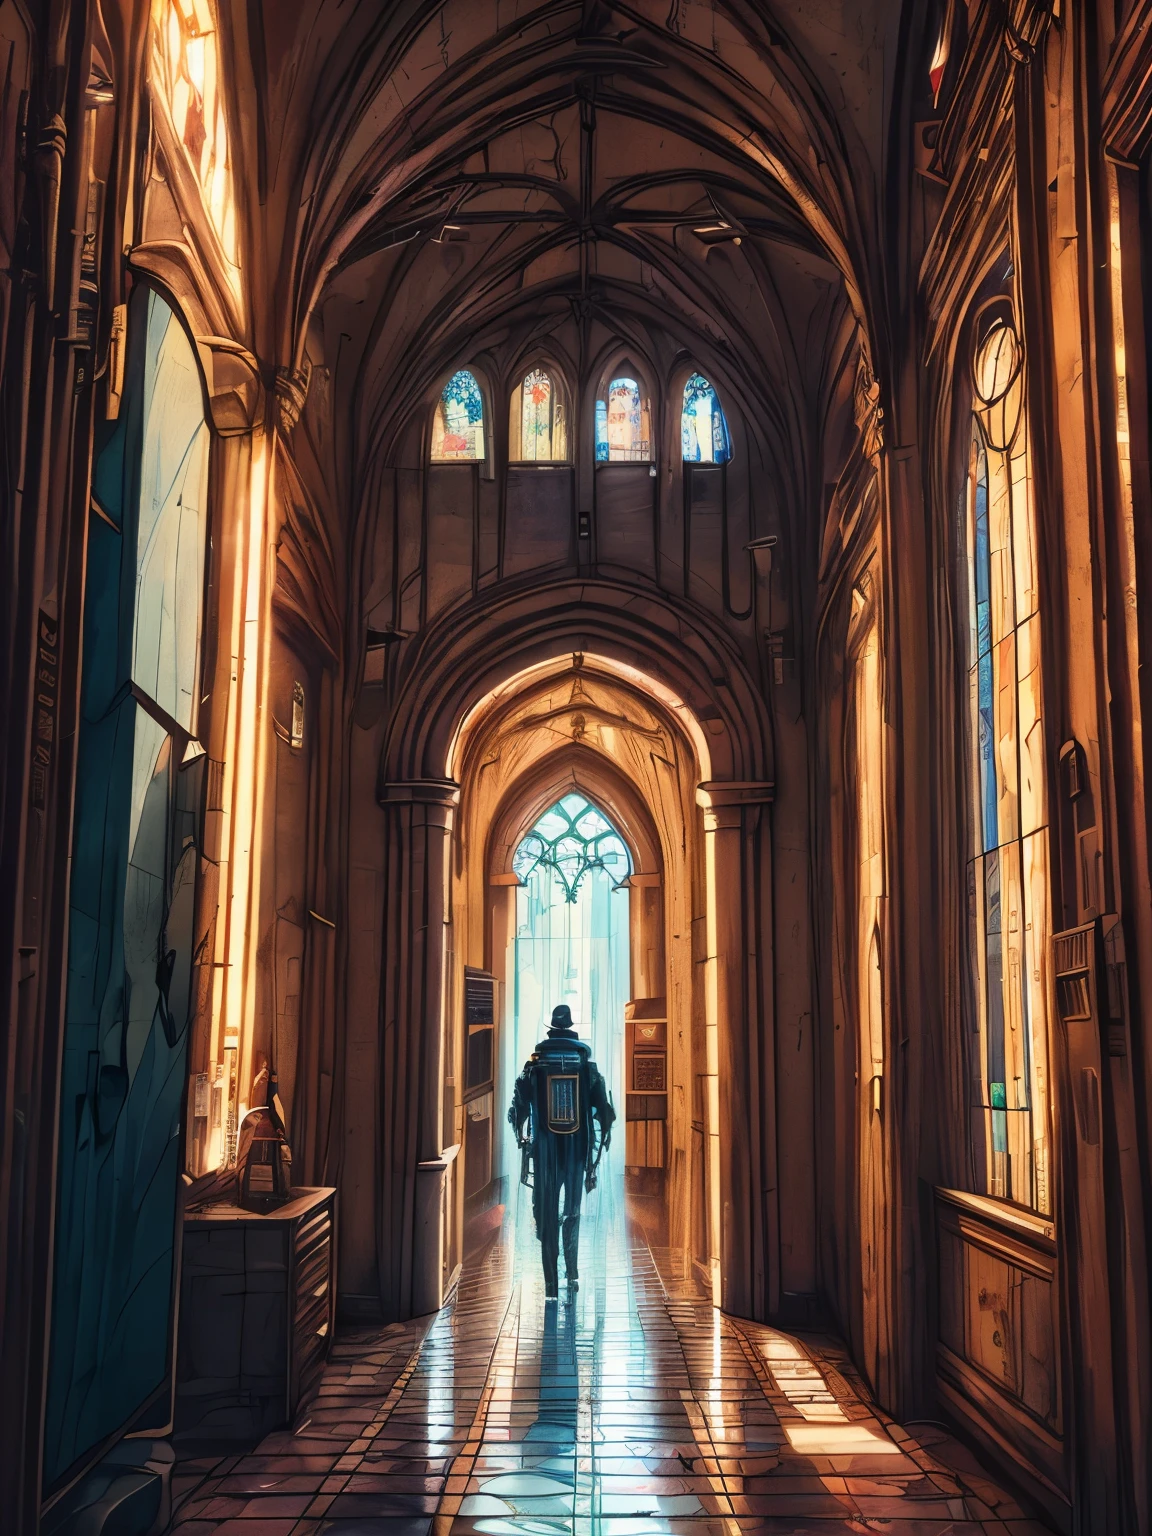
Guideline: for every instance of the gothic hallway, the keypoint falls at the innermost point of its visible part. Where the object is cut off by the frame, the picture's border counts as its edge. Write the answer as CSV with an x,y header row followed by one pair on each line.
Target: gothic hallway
x,y
589,560
631,1409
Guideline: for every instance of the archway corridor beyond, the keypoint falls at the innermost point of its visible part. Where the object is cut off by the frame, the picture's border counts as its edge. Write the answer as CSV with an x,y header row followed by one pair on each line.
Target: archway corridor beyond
x,y
634,1408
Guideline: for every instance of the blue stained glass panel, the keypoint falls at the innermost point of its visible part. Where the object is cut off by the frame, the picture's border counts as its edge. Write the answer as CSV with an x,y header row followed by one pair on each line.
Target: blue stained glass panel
x,y
458,425
703,430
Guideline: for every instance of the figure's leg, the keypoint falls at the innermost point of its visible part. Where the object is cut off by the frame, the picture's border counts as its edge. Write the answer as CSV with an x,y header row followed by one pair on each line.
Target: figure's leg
x,y
573,1193
549,1232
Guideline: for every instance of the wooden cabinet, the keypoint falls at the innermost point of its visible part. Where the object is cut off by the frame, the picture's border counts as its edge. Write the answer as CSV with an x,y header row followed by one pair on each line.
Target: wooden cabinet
x,y
997,1354
257,1309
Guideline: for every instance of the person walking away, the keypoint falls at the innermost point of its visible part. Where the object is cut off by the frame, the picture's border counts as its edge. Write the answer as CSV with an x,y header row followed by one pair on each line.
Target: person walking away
x,y
558,1096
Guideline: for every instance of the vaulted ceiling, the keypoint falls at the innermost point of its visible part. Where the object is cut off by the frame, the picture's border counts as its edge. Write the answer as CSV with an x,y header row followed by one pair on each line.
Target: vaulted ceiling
x,y
438,182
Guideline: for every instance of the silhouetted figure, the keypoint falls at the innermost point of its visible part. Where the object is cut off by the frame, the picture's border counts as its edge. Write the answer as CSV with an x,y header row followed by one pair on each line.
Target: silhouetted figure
x,y
556,1096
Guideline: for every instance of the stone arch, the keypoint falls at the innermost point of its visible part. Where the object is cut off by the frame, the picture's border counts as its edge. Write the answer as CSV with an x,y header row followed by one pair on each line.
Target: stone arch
x,y
458,661
689,683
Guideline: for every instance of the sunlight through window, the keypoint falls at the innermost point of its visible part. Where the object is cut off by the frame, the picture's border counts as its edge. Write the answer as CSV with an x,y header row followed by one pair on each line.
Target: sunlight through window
x,y
186,67
537,428
1008,873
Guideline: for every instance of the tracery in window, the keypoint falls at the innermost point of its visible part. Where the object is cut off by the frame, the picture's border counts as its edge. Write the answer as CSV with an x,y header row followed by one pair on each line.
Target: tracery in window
x,y
571,839
1008,874
537,430
623,424
186,66
703,429
458,423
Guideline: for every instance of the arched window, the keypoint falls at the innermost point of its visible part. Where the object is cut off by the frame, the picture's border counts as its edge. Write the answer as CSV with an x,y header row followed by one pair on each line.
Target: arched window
x,y
186,66
538,427
1008,870
703,430
571,839
458,425
623,423
572,933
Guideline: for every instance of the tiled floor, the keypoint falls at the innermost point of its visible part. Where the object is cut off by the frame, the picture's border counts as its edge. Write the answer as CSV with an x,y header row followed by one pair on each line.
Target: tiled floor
x,y
635,1409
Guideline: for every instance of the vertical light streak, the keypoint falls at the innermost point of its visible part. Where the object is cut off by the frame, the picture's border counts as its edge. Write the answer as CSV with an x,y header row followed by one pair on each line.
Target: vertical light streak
x,y
246,771
712,1052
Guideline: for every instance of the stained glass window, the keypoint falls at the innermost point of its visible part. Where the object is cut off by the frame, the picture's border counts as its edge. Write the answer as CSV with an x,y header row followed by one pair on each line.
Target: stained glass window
x,y
1008,872
623,424
537,428
458,424
570,839
572,934
703,430
186,66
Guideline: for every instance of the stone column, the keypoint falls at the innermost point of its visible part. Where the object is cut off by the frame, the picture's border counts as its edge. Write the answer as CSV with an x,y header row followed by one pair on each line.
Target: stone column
x,y
646,935
502,931
414,1162
740,1109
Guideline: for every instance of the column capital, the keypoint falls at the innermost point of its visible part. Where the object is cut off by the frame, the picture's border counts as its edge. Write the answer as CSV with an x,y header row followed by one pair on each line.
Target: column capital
x,y
445,792
724,794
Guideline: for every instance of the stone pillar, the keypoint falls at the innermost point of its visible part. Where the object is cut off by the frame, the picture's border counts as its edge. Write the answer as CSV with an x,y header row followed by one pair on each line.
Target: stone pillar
x,y
502,933
646,935
414,1162
740,1109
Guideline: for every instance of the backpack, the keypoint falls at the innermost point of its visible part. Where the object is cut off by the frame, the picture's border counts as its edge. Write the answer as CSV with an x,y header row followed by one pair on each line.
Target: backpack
x,y
562,1088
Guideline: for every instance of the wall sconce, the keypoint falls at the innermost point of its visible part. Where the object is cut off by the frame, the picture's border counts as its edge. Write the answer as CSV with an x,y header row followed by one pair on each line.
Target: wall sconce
x,y
1074,769
377,645
761,552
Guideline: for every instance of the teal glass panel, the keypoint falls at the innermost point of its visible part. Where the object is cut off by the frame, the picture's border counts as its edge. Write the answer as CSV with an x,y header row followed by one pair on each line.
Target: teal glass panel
x,y
601,432
135,853
171,529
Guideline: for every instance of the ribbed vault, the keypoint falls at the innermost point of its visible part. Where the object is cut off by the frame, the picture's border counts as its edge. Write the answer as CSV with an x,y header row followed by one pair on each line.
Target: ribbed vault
x,y
487,183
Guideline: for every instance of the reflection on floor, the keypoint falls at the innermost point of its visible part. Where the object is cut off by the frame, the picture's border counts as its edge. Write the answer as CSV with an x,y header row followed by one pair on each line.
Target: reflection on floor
x,y
635,1409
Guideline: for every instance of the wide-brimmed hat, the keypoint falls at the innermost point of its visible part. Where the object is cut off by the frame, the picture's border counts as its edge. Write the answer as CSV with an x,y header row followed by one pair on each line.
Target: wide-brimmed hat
x,y
561,1018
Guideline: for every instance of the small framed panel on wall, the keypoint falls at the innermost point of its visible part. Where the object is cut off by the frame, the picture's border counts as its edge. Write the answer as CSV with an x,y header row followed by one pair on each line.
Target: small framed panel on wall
x,y
649,1035
649,1072
479,1030
479,1069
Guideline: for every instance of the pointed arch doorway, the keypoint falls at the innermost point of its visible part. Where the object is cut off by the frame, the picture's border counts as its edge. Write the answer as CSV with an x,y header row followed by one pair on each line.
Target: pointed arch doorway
x,y
571,941
598,724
